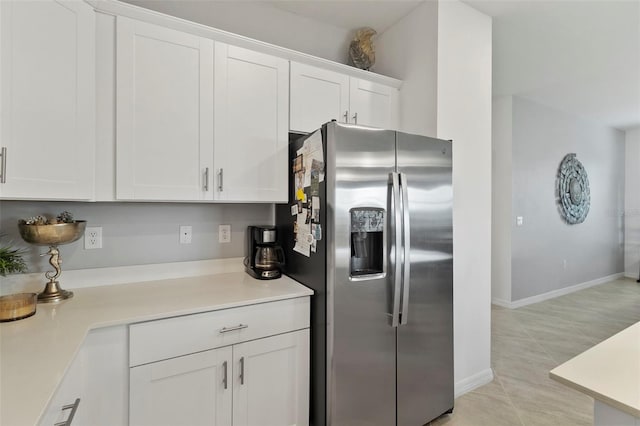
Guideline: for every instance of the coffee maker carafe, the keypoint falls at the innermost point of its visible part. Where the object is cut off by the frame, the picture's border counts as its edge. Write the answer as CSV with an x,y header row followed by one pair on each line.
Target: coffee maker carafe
x,y
264,255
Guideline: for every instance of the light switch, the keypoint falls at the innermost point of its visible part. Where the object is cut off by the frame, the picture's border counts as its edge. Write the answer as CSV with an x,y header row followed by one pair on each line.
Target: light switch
x,y
519,220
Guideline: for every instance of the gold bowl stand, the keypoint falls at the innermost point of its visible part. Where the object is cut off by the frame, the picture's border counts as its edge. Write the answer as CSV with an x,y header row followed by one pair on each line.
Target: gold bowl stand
x,y
52,236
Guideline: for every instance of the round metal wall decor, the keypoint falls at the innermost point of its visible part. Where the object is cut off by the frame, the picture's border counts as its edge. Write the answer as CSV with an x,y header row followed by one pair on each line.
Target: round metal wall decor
x,y
573,194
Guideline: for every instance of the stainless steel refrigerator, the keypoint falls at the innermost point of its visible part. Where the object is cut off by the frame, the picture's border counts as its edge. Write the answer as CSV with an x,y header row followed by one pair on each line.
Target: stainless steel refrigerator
x,y
381,264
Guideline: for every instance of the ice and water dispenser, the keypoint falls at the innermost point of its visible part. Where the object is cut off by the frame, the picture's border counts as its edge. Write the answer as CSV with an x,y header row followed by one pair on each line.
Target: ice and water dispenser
x,y
367,241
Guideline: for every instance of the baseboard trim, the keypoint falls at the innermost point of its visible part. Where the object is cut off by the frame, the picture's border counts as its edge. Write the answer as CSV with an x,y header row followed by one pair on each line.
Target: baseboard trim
x,y
82,278
555,293
501,302
473,382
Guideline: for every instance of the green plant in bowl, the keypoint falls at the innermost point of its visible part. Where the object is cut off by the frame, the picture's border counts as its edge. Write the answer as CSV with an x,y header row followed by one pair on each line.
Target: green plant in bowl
x,y
11,261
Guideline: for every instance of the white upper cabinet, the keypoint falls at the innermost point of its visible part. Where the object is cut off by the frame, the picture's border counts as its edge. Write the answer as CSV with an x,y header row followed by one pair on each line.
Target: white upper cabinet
x,y
164,103
373,104
317,96
251,125
47,100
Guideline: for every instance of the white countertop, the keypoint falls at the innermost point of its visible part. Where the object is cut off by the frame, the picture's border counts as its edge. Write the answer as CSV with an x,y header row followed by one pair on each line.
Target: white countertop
x,y
36,352
609,371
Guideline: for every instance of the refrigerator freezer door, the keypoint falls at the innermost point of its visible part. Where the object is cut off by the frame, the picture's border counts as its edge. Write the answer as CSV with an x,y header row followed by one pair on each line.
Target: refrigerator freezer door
x,y
361,342
425,340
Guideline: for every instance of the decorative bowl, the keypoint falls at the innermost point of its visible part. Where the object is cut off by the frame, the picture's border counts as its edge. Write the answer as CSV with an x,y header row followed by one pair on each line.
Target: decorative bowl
x,y
50,235
17,306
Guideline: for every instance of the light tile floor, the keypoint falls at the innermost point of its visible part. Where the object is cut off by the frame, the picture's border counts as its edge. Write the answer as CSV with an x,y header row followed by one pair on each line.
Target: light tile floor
x,y
528,342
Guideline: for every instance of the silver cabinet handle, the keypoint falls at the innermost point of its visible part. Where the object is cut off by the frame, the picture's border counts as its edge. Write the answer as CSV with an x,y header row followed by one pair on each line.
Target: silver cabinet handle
x,y
406,248
346,116
73,407
396,246
355,118
3,165
205,180
224,377
242,370
220,176
234,328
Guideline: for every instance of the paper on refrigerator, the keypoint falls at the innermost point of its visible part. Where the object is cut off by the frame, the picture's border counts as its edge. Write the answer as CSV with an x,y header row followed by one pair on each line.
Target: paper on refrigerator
x,y
312,150
304,239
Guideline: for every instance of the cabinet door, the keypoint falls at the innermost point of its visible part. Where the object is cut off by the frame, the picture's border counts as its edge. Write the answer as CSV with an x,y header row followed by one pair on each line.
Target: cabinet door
x,y
317,96
373,104
47,97
189,390
164,102
99,377
71,387
251,125
271,381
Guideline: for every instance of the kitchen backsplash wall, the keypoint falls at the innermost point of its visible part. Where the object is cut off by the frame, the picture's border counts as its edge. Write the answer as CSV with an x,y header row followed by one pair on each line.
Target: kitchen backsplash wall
x,y
139,233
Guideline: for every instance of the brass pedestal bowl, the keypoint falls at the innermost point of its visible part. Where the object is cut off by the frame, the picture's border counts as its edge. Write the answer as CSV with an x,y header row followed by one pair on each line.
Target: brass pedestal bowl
x,y
53,236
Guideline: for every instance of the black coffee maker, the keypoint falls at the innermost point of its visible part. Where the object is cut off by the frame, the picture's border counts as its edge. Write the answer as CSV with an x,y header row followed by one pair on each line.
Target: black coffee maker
x,y
264,255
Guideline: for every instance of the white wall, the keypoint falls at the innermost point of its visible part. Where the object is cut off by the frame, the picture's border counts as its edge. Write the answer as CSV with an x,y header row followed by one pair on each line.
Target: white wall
x,y
261,22
464,115
407,50
632,203
547,253
501,211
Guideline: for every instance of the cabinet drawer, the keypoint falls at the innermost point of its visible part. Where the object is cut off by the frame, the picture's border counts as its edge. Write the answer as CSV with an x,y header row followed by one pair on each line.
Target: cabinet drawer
x,y
162,339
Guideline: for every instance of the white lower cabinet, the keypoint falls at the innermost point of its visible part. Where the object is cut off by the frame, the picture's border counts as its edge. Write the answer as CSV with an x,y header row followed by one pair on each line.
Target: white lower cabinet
x,y
189,390
63,405
94,391
272,386
245,366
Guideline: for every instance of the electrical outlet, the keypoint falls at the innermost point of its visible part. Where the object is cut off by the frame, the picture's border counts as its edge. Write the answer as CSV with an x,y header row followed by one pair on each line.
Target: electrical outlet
x,y
224,233
93,237
185,234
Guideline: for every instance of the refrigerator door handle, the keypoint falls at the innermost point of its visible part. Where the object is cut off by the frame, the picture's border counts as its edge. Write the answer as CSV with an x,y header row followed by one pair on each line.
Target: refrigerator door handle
x,y
406,249
396,247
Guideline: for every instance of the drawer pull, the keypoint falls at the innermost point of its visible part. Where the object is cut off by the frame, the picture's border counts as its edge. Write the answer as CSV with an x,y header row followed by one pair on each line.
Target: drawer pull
x,y
73,407
3,165
242,370
224,379
237,327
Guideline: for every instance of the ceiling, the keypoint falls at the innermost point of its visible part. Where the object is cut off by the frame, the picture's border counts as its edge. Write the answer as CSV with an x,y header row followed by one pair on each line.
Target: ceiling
x,y
578,56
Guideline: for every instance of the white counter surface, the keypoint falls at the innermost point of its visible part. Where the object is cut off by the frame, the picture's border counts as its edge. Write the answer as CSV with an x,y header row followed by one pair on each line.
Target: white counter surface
x,y
36,352
609,372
